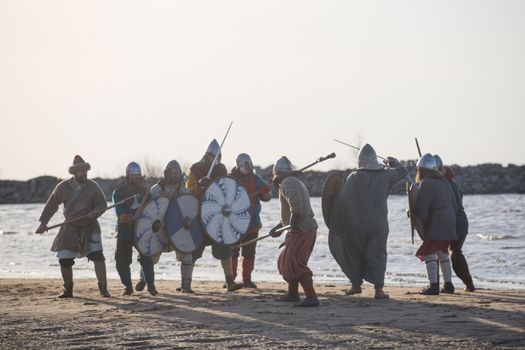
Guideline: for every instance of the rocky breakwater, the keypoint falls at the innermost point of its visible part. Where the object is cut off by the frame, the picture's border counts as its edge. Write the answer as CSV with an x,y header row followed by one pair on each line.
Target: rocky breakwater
x,y
477,179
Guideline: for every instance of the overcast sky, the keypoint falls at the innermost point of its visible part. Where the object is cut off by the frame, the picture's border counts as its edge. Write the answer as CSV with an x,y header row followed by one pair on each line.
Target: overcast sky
x,y
117,81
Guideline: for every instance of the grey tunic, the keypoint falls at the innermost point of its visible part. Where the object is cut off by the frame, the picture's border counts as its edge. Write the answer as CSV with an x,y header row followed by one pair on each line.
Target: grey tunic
x,y
436,206
359,230
80,238
295,199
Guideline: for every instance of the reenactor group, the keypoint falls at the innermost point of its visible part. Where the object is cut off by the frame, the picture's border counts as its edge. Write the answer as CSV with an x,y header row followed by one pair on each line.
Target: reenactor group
x,y
210,206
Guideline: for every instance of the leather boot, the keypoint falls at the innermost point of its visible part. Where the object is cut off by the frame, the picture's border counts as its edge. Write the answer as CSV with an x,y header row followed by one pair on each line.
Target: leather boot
x,y
380,293
67,276
231,285
128,290
228,275
185,286
431,289
448,288
100,271
293,293
469,287
141,284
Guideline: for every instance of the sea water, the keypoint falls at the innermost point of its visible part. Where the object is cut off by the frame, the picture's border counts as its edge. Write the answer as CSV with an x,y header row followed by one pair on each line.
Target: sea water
x,y
494,248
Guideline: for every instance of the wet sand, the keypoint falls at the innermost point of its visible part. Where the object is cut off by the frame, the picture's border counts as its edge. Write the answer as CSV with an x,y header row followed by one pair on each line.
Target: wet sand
x,y
31,317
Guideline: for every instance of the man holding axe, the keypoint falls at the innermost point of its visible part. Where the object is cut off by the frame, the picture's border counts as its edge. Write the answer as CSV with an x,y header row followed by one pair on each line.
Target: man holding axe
x,y
82,198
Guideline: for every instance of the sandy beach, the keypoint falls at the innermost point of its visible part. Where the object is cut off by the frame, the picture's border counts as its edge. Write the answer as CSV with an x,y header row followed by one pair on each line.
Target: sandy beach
x,y
32,317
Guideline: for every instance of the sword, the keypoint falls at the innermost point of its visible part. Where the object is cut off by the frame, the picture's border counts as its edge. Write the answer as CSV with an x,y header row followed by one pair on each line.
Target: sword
x,y
356,148
382,158
85,216
220,150
418,149
252,241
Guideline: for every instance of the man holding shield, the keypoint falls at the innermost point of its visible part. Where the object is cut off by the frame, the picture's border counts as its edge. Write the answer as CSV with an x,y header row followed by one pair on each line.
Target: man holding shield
x,y
259,191
198,181
171,186
126,221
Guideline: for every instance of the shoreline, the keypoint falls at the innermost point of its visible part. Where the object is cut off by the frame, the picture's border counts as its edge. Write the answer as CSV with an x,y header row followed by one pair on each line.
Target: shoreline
x,y
32,317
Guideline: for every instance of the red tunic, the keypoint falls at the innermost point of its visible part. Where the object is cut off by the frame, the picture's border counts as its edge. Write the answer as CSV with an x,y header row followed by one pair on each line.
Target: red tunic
x,y
432,247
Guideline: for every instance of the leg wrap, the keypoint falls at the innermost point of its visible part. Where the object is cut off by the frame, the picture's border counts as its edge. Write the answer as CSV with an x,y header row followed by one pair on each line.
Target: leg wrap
x,y
100,271
227,267
446,268
96,256
293,288
147,272
67,276
123,258
308,285
186,267
432,267
235,264
66,262
247,268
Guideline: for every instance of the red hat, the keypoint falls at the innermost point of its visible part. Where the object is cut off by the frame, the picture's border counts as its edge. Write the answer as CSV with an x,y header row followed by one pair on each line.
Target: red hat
x,y
79,165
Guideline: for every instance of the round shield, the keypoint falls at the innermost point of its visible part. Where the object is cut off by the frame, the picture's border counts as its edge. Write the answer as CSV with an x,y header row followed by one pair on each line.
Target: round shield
x,y
150,233
331,189
184,224
415,224
225,211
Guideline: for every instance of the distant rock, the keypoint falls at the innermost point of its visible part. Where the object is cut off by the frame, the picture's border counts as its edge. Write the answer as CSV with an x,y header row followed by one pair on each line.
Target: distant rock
x,y
478,179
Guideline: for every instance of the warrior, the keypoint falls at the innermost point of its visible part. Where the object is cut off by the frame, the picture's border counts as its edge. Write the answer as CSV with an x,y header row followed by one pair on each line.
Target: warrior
x,y
360,221
259,191
81,197
296,211
459,262
126,222
435,206
197,183
171,185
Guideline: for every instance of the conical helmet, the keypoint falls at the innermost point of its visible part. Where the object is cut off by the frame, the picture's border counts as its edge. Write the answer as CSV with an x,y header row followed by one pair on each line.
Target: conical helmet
x,y
427,161
213,148
133,168
244,163
282,166
173,164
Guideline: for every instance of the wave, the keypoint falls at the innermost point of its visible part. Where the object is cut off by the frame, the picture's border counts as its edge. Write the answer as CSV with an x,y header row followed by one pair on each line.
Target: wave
x,y
489,237
511,211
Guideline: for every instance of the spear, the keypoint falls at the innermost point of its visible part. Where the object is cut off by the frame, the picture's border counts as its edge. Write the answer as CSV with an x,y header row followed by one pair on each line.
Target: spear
x,y
287,227
86,216
318,160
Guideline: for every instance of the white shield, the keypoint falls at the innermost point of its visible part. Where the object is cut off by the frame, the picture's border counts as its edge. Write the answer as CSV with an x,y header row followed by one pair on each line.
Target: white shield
x,y
225,211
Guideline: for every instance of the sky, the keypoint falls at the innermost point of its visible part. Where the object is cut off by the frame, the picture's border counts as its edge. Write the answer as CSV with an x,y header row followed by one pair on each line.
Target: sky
x,y
151,81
